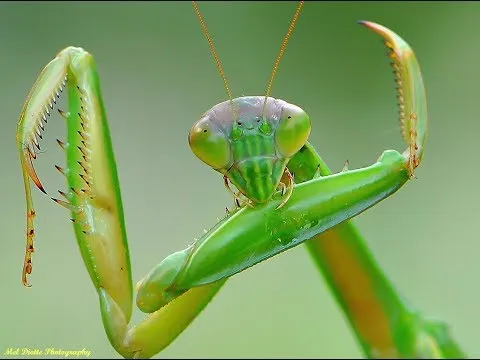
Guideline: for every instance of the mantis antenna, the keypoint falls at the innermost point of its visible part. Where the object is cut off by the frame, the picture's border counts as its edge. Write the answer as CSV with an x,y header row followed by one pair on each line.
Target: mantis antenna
x,y
280,54
214,53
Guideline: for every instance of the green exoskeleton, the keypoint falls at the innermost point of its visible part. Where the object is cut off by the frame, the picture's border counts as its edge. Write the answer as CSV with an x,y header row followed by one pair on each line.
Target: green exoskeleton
x,y
251,139
257,143
251,143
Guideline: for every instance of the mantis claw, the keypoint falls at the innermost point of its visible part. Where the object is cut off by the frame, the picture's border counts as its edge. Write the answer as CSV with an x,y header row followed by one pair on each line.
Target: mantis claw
x,y
27,162
236,195
288,187
237,203
226,182
411,94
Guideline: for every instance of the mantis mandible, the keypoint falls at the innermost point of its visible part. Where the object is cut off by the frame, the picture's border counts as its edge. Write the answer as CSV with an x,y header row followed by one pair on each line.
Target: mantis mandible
x,y
285,196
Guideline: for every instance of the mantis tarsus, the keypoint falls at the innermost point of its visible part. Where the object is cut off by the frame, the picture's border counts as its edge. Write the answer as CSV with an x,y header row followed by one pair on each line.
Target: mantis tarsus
x,y
315,209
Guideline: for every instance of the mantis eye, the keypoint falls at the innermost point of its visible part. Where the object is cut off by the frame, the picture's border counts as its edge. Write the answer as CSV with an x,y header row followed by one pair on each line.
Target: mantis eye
x,y
292,131
210,144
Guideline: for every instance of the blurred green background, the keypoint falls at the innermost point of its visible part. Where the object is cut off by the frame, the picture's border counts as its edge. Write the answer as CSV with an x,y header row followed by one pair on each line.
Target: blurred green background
x,y
158,77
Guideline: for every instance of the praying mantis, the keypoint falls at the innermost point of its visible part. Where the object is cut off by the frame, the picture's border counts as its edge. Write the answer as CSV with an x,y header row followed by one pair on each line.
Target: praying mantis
x,y
311,206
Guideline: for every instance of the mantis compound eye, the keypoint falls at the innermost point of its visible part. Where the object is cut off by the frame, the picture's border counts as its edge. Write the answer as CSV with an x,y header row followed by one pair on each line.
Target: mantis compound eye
x,y
292,131
210,144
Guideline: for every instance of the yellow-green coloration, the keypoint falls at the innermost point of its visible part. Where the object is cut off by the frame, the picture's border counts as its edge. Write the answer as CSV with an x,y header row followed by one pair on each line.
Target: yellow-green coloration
x,y
411,93
93,194
249,144
94,201
253,154
33,117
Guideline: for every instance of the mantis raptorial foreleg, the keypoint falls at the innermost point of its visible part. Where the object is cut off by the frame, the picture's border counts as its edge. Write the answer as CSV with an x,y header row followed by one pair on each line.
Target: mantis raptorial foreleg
x,y
94,201
286,187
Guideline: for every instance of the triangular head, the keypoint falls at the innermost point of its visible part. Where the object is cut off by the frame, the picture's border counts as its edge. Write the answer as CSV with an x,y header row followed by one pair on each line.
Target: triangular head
x,y
250,140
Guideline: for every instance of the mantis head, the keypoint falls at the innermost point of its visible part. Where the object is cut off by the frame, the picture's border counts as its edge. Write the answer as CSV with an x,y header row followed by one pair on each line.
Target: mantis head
x,y
250,140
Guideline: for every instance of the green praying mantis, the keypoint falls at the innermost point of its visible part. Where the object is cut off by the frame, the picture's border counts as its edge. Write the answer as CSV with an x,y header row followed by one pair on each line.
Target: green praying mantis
x,y
285,196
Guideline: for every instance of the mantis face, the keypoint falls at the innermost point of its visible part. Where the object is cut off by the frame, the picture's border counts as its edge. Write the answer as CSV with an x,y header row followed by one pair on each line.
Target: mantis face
x,y
250,140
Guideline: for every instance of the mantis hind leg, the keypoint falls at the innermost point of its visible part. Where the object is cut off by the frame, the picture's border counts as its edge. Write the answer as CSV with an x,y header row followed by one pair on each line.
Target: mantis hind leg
x,y
286,184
